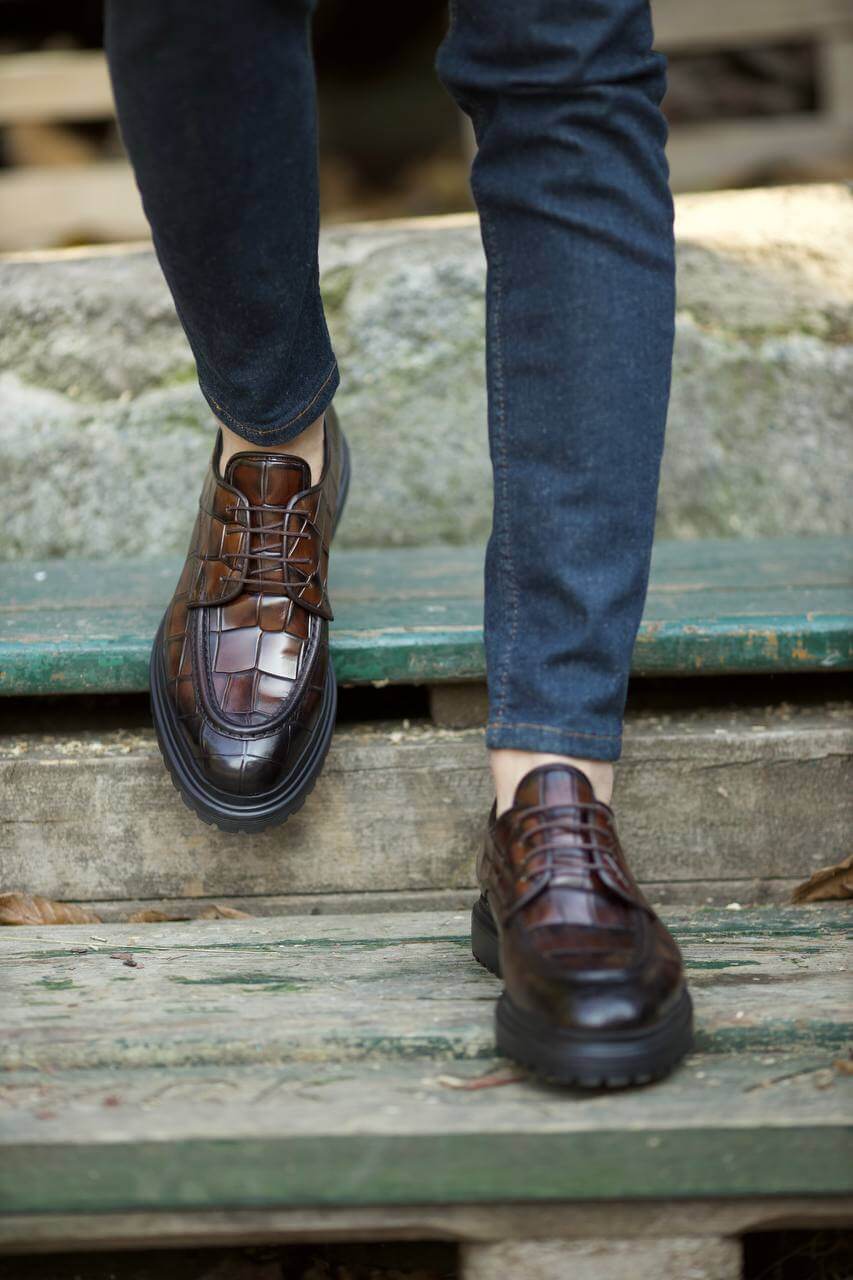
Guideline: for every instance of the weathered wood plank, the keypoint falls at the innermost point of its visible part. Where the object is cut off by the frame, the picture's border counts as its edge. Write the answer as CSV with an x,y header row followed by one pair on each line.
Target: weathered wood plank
x,y
390,1169
663,893
566,1219
415,614
305,1063
378,988
79,1107
93,817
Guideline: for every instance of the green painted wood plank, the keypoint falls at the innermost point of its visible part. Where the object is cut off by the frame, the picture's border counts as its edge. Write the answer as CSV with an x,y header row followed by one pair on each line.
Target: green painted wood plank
x,y
382,988
433,1168
414,614
303,1062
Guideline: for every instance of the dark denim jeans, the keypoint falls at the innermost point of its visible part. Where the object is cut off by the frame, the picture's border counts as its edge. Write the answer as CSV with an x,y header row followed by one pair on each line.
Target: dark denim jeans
x,y
216,104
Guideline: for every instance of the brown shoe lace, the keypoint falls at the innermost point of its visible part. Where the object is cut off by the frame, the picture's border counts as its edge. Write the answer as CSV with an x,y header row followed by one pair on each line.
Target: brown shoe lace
x,y
305,567
570,866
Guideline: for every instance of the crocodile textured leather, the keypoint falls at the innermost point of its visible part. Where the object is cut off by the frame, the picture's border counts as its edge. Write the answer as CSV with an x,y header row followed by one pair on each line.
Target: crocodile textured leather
x,y
580,947
245,638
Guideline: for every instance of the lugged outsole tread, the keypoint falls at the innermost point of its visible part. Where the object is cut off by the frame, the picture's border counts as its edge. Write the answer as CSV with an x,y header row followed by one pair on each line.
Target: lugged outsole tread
x,y
597,1080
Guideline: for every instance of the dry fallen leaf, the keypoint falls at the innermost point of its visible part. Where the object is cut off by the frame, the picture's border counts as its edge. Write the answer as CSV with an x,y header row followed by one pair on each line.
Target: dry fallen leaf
x,y
150,916
25,908
492,1080
218,912
828,884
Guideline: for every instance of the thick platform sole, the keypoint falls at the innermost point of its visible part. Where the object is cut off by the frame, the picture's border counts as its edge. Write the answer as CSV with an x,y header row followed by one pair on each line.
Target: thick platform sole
x,y
600,1060
246,814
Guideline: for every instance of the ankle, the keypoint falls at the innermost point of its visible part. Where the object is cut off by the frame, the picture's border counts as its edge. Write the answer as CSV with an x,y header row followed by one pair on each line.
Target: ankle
x,y
510,766
309,446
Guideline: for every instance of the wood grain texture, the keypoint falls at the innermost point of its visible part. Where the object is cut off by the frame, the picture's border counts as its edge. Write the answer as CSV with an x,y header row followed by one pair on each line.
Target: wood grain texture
x,y
415,615
297,1063
83,1106
92,817
382,988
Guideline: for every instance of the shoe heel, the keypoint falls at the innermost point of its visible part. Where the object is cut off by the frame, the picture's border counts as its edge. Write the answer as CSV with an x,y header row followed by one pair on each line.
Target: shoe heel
x,y
485,946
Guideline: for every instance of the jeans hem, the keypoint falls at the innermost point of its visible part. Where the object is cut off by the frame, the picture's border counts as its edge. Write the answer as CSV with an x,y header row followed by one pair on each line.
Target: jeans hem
x,y
280,432
552,739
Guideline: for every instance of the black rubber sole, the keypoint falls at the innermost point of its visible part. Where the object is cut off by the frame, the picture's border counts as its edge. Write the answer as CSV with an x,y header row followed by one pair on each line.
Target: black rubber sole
x,y
605,1060
249,814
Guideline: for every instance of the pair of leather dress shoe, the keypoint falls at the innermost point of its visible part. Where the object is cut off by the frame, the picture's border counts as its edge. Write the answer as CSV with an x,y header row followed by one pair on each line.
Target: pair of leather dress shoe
x,y
244,698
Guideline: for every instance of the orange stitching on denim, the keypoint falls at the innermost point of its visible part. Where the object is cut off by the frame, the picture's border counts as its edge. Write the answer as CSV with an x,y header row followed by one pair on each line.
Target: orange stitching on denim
x,y
550,728
498,421
282,426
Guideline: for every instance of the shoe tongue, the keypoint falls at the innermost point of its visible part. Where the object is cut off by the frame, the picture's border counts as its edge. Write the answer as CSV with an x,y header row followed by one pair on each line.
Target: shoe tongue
x,y
270,478
551,784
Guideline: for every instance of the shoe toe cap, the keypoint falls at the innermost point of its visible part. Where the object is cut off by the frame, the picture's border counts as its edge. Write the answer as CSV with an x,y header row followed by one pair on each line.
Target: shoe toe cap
x,y
244,767
587,1007
608,992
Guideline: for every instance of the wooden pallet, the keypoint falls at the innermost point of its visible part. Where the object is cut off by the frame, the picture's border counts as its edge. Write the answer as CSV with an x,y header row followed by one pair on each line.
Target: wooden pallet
x,y
303,1078
414,615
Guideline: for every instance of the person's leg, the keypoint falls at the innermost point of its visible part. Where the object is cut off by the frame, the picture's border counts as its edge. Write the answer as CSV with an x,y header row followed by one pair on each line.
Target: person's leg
x,y
216,104
571,184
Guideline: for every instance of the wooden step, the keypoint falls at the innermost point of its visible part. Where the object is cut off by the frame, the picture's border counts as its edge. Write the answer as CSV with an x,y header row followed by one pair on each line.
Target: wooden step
x,y
307,1078
415,615
715,804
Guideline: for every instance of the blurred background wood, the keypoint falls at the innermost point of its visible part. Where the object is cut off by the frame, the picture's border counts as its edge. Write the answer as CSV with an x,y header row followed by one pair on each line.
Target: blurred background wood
x,y
761,92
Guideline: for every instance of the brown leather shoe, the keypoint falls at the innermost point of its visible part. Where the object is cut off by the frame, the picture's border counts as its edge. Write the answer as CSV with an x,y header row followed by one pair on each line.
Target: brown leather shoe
x,y
242,688
595,992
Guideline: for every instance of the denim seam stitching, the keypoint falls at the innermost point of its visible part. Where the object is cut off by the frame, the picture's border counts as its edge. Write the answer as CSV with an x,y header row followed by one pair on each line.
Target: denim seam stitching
x,y
550,728
279,426
505,540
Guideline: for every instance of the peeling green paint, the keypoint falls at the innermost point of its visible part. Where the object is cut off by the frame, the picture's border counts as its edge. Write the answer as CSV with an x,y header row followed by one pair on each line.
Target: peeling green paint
x,y
719,607
272,981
